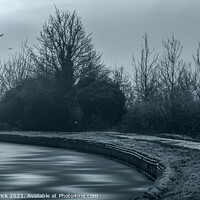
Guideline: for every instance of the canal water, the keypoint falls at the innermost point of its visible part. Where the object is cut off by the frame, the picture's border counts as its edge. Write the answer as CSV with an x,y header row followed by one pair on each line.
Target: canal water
x,y
36,172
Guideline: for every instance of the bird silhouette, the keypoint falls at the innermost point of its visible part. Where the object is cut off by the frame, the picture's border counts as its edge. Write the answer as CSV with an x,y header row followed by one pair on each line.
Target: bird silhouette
x,y
1,34
10,48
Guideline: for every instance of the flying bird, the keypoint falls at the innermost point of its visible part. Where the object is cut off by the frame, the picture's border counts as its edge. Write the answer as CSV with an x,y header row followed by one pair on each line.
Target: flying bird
x,y
10,48
1,34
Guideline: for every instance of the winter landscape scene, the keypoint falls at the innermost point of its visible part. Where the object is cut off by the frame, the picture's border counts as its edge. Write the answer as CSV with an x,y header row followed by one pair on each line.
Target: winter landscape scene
x,y
100,99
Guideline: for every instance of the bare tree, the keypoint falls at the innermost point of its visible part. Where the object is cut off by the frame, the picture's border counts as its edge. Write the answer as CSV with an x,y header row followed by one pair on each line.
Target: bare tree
x,y
176,82
17,68
64,50
187,86
145,79
122,79
172,69
197,71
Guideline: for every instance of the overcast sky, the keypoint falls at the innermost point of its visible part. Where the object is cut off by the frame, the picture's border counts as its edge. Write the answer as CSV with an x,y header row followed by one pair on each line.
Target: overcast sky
x,y
117,26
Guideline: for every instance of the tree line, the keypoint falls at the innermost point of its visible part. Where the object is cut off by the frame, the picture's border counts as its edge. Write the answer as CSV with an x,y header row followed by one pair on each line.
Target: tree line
x,y
166,90
62,84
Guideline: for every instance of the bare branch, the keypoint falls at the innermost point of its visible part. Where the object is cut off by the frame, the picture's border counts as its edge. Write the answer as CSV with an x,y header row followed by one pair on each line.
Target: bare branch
x,y
145,79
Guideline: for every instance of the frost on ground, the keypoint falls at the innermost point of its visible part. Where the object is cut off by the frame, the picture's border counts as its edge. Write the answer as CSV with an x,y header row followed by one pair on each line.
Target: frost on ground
x,y
180,179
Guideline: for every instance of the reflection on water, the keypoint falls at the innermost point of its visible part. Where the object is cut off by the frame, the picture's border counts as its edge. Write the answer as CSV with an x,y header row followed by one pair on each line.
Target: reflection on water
x,y
30,169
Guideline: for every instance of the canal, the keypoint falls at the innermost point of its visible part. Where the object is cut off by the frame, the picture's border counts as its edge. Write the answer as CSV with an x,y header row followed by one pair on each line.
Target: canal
x,y
32,171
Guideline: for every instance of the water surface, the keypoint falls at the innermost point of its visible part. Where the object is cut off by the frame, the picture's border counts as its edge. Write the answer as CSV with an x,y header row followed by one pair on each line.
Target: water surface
x,y
26,169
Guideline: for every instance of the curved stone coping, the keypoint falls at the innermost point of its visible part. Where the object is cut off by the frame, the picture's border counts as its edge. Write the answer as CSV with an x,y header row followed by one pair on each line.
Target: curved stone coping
x,y
148,166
